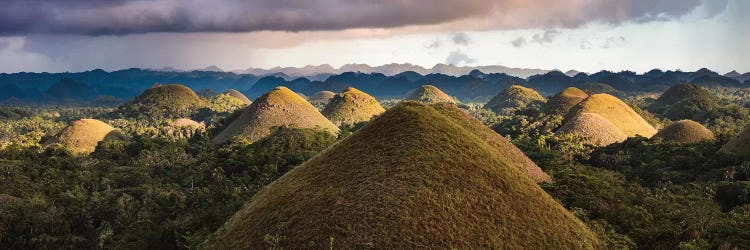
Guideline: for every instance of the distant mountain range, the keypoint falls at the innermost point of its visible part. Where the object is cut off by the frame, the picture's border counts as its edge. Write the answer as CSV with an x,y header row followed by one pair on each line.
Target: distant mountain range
x,y
392,69
475,84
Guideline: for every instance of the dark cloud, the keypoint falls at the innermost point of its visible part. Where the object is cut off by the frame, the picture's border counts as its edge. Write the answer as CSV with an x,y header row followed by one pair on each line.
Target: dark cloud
x,y
546,37
461,39
458,58
518,42
91,17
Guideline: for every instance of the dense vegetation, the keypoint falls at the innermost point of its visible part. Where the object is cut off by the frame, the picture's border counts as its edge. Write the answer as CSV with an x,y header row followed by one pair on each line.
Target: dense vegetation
x,y
170,188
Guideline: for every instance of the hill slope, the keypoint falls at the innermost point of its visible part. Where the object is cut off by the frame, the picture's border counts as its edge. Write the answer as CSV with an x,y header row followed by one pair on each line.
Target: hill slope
x,y
683,101
430,94
685,131
405,181
82,136
562,102
504,147
616,111
352,106
514,97
279,107
594,129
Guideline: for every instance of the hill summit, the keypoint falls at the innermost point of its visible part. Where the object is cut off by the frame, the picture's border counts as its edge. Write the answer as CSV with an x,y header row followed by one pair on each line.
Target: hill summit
x,y
430,94
593,129
169,101
352,106
514,97
279,107
82,136
562,102
685,131
239,96
405,181
617,112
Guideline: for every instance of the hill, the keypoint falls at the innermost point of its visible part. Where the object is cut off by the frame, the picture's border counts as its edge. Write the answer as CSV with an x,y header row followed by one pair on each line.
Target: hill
x,y
402,182
562,102
593,129
70,89
279,107
352,106
82,136
321,96
739,145
162,101
679,97
599,88
504,147
239,96
616,111
430,94
513,98
685,131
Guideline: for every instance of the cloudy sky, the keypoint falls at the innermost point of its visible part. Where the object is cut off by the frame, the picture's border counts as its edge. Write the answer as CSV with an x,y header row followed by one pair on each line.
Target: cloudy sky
x,y
587,35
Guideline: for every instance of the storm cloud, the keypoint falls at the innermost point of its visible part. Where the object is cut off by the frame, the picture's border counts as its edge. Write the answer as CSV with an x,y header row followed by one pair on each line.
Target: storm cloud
x,y
119,17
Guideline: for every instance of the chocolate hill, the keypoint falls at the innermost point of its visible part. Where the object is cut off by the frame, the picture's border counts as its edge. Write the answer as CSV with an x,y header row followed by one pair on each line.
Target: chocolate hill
x,y
352,106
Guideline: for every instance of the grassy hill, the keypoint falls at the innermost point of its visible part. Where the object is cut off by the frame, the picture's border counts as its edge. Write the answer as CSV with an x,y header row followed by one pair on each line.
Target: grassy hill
x,y
685,131
82,136
684,101
279,107
162,101
562,102
593,129
616,111
430,94
513,98
406,180
236,94
352,106
739,145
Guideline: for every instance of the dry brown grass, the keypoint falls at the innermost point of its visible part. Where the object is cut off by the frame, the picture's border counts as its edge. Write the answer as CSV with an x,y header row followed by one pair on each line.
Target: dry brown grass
x,y
82,136
616,111
593,129
514,97
412,178
279,107
562,102
430,94
352,106
168,100
685,131
504,147
236,94
321,96
184,122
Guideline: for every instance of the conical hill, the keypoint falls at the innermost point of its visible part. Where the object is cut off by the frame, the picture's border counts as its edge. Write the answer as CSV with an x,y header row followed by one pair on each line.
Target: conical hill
x,y
617,112
82,136
352,106
739,145
430,94
593,129
514,97
562,102
321,96
163,101
412,178
239,96
279,107
685,131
